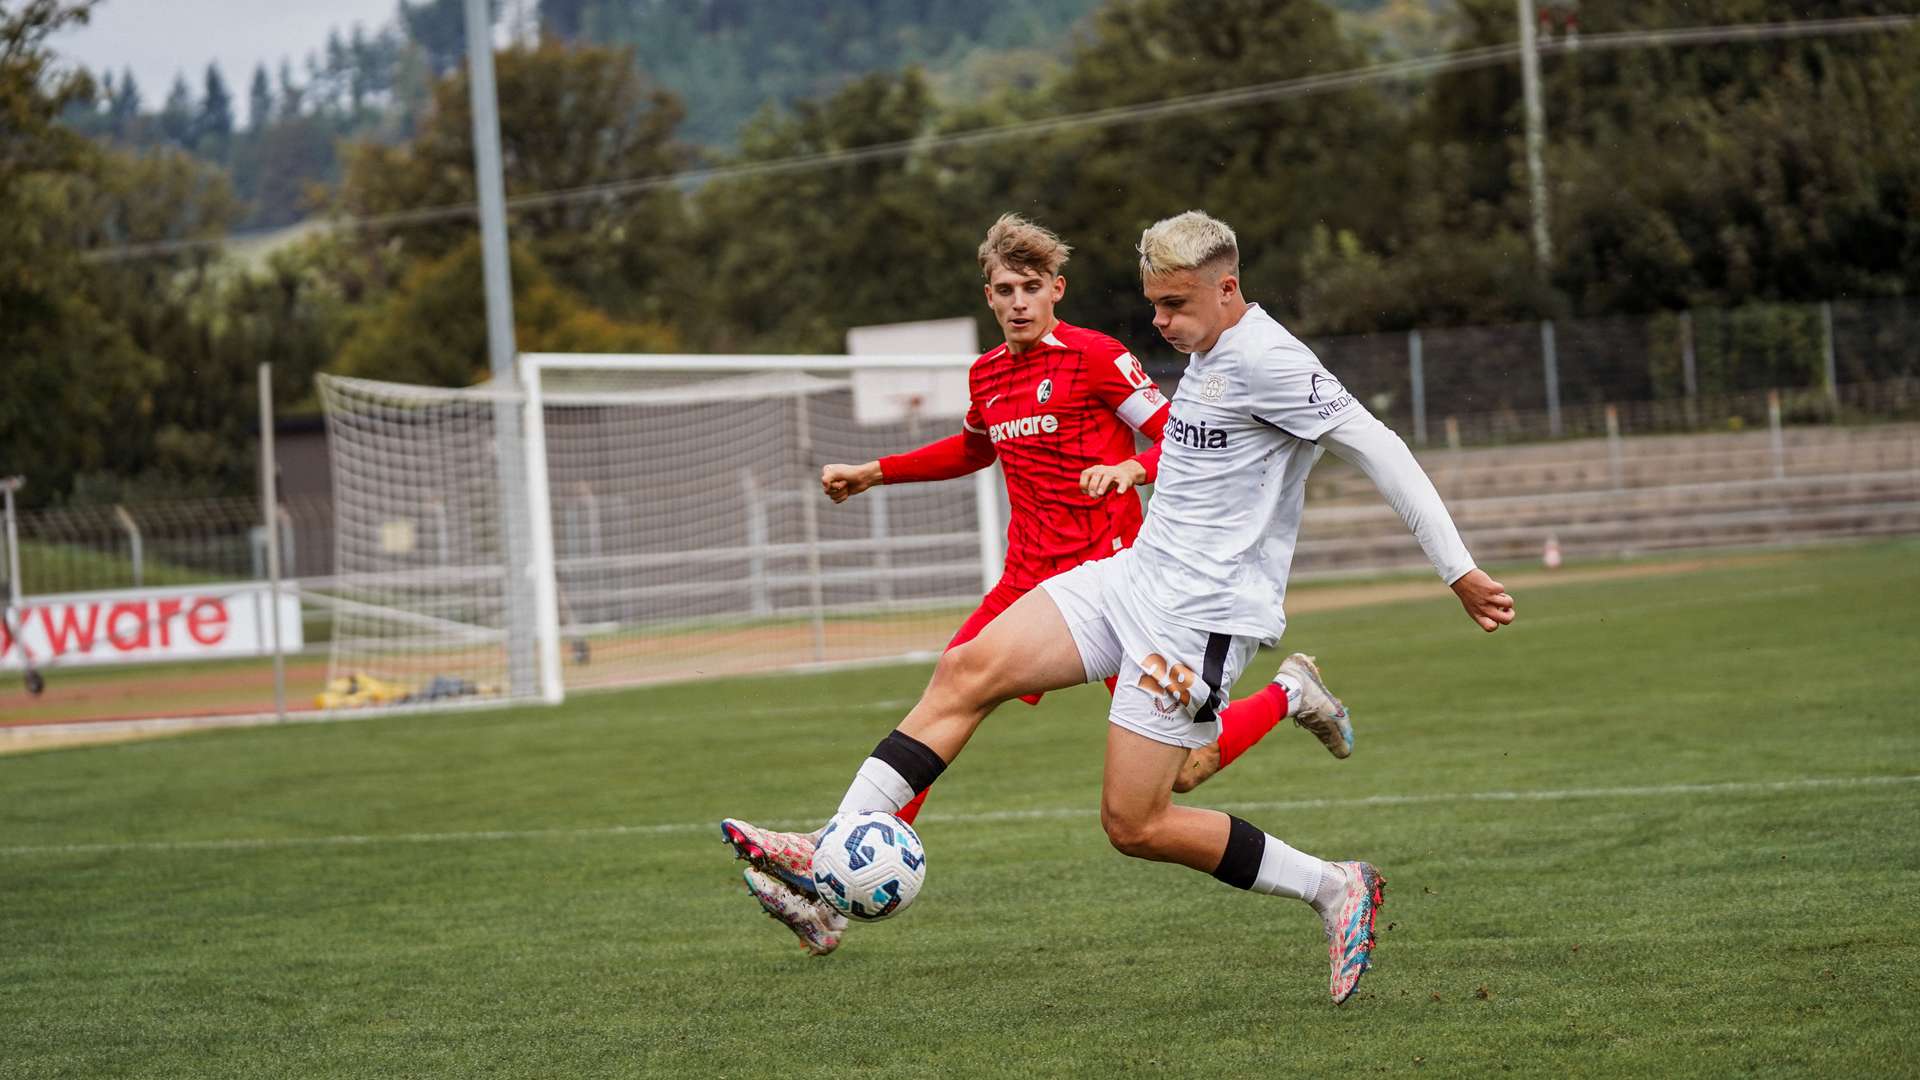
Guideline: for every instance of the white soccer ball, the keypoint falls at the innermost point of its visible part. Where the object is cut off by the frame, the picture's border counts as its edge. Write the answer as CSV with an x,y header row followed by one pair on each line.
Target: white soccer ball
x,y
869,865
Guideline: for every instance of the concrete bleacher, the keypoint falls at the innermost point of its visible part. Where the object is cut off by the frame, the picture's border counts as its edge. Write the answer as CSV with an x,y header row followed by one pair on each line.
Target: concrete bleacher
x,y
1632,496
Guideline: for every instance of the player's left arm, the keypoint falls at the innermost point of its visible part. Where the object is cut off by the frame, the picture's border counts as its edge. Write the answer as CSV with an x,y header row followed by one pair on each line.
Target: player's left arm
x,y
1293,393
1362,439
1123,386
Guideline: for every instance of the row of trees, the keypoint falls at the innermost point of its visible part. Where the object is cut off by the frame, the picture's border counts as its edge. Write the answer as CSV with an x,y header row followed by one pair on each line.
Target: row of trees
x,y
1706,176
361,85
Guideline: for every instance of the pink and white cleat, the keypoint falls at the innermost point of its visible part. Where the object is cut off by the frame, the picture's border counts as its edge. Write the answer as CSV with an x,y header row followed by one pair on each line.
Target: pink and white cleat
x,y
1349,926
815,923
787,856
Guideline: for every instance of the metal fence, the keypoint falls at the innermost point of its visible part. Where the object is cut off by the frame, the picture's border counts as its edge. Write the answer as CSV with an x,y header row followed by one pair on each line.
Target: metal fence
x,y
1674,371
183,542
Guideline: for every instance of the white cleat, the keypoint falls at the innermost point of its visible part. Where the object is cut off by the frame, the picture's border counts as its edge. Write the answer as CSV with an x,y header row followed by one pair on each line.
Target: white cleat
x,y
1318,710
815,923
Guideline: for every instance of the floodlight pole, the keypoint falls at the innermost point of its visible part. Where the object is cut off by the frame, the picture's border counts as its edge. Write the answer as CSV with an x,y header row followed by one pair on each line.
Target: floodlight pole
x,y
500,346
1536,132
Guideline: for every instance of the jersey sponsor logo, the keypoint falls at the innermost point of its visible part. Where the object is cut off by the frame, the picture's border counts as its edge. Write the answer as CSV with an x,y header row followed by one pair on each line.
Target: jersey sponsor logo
x,y
1044,391
1329,395
1198,436
1044,424
1131,371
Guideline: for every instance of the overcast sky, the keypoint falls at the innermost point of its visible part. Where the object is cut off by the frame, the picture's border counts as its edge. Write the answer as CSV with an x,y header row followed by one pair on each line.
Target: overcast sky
x,y
161,38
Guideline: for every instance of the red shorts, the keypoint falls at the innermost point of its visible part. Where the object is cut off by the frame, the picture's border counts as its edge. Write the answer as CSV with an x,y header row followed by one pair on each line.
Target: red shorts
x,y
995,602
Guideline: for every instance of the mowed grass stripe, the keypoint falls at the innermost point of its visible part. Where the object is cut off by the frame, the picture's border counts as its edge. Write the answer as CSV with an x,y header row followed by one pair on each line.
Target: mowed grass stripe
x,y
1731,788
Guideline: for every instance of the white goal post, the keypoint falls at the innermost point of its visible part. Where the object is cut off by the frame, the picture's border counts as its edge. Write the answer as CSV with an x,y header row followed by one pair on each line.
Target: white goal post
x,y
674,522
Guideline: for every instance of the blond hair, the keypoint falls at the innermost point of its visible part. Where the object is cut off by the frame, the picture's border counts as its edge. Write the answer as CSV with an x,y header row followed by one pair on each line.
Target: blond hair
x,y
1015,243
1188,241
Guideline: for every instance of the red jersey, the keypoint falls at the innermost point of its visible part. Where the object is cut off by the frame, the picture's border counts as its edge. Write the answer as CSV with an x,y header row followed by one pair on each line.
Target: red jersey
x,y
1071,401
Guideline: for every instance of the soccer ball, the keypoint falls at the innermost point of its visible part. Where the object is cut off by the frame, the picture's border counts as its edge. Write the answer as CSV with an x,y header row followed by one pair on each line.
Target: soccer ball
x,y
869,865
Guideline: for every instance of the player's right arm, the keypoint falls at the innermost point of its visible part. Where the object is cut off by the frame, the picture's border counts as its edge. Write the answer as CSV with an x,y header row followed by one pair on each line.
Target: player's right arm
x,y
967,452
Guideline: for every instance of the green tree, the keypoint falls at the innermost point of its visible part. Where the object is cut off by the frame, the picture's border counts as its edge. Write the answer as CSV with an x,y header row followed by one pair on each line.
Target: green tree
x,y
213,127
570,119
791,260
71,373
433,328
259,100
176,115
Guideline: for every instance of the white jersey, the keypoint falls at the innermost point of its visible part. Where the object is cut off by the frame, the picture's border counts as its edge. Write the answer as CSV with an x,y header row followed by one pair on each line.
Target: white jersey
x,y
1239,441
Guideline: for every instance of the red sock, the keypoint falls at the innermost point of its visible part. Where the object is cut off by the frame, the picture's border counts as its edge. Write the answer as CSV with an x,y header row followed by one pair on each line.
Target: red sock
x,y
912,810
1248,720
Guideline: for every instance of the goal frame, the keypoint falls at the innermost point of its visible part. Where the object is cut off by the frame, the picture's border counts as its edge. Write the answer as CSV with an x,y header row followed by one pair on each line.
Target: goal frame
x,y
533,370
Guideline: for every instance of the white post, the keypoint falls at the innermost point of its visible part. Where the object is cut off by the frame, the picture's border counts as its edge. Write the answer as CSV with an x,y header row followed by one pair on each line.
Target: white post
x,y
269,509
1417,375
542,566
134,550
810,521
9,485
878,529
756,543
1689,374
993,533
1615,463
1779,441
1550,360
1826,349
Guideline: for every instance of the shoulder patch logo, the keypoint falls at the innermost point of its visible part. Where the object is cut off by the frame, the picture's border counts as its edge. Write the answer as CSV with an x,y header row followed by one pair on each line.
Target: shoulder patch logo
x,y
1325,388
1131,371
1044,391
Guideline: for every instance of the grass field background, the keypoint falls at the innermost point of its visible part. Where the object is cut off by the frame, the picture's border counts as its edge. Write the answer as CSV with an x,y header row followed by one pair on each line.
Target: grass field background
x,y
1667,826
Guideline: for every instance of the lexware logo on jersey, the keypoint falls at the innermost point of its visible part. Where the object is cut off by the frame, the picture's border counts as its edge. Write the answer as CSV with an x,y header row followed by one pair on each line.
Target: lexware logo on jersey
x,y
1020,427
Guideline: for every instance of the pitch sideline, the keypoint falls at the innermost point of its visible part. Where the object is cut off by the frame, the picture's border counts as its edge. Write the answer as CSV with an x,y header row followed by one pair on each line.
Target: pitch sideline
x,y
1767,787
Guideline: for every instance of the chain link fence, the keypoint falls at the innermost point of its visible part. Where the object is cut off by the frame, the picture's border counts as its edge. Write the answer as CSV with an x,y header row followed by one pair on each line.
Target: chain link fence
x,y
1670,372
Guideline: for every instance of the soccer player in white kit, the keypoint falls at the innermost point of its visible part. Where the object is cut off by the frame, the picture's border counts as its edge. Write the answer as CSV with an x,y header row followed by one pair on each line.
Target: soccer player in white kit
x,y
1177,615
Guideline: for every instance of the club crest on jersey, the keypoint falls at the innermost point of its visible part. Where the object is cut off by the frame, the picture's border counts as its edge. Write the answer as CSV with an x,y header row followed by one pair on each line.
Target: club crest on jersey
x,y
1044,391
1044,424
1198,436
1213,387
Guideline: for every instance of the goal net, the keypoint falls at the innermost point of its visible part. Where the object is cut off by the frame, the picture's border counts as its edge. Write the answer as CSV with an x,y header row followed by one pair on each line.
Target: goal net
x,y
674,522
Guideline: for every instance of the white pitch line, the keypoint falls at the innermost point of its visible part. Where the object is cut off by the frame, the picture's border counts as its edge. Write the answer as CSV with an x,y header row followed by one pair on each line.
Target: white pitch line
x,y
1767,787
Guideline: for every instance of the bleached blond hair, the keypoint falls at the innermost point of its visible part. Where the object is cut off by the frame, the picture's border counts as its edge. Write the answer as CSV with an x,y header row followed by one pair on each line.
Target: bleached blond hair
x,y
1189,241
1015,243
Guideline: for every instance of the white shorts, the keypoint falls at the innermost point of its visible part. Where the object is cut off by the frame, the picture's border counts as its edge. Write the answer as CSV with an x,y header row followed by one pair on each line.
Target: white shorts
x,y
1117,636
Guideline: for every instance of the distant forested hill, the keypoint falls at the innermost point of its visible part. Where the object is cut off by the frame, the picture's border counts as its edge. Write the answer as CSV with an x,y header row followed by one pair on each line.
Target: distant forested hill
x,y
729,58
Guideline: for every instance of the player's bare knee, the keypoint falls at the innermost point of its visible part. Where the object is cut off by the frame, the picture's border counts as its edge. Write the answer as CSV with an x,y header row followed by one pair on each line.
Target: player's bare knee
x,y
971,676
1130,832
1186,781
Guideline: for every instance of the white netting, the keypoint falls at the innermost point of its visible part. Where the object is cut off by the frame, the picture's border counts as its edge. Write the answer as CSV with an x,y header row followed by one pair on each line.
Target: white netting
x,y
421,591
689,534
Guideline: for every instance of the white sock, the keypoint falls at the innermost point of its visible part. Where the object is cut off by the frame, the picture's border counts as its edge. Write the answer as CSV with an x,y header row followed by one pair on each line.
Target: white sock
x,y
1294,690
877,786
1287,872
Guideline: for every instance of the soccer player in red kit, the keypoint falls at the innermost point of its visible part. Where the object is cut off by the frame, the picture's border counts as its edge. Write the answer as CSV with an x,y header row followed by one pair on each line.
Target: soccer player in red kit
x,y
1058,406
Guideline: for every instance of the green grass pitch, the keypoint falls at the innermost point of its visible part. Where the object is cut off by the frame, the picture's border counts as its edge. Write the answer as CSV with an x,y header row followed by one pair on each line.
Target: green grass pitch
x,y
1662,826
